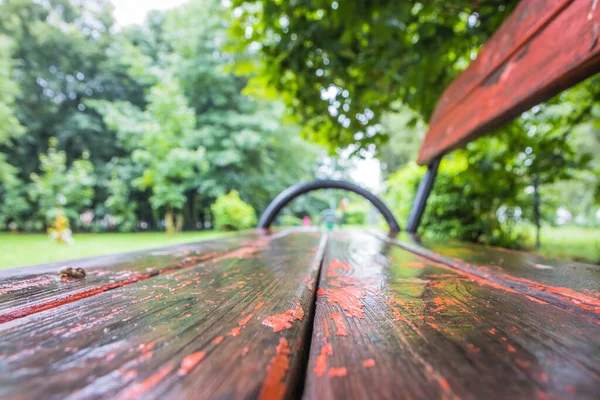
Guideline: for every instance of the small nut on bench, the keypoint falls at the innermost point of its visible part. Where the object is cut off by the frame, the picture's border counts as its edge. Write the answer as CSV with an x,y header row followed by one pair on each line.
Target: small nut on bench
x,y
71,273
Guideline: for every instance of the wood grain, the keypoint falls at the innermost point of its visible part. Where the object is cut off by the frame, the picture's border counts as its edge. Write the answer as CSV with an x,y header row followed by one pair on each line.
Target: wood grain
x,y
232,326
24,291
576,276
391,324
569,285
544,47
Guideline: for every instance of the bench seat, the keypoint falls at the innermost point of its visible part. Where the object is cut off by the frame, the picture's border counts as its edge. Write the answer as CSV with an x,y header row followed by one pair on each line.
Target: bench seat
x,y
348,314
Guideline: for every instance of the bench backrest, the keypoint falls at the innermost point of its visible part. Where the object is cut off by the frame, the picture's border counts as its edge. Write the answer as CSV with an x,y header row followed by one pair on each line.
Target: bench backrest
x,y
543,48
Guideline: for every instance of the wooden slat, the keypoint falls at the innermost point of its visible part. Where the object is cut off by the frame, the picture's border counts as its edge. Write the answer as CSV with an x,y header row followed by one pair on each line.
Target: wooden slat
x,y
390,324
233,326
24,291
569,276
544,47
569,285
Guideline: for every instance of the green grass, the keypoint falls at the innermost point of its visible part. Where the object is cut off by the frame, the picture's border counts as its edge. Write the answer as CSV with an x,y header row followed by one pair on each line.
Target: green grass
x,y
570,242
17,250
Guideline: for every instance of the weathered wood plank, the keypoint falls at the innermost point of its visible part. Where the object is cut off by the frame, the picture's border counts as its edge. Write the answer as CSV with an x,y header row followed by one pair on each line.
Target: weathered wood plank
x,y
574,276
24,291
544,47
569,285
390,324
232,326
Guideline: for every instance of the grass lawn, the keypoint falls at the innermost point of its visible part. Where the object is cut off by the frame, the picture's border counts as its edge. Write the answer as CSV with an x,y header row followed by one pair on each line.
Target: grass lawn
x,y
17,250
570,242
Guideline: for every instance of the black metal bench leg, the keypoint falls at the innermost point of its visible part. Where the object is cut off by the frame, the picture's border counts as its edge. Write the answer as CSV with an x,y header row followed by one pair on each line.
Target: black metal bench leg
x,y
292,192
414,218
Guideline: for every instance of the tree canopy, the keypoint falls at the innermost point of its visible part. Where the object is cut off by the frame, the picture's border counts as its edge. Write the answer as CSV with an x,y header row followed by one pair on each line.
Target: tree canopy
x,y
341,65
163,123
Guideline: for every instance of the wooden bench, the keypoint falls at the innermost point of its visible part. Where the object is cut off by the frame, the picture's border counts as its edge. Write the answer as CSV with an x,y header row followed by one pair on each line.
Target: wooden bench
x,y
351,314
348,314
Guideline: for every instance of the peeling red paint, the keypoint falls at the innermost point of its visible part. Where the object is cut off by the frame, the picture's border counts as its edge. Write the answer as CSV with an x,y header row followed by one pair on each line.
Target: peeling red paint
x,y
218,339
348,298
242,252
35,281
471,347
190,362
511,349
259,305
444,384
140,388
245,320
434,326
337,372
340,327
522,363
234,332
146,346
321,361
369,363
310,282
274,386
284,320
336,264
36,308
493,331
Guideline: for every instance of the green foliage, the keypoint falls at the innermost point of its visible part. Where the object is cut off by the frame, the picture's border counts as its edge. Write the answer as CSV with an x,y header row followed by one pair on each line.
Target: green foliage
x,y
362,56
355,214
231,213
61,59
463,204
289,220
14,206
61,188
10,126
118,203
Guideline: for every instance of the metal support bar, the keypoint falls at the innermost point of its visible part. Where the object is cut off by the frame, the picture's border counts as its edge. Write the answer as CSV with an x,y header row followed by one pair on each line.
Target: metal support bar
x,y
291,193
418,207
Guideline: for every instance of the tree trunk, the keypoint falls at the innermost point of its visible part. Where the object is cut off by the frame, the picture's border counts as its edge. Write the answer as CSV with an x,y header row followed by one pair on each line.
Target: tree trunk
x,y
179,222
190,219
169,226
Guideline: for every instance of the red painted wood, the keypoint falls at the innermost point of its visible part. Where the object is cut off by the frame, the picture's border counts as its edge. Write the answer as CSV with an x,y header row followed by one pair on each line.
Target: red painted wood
x,y
544,47
568,285
233,326
24,291
392,324
570,275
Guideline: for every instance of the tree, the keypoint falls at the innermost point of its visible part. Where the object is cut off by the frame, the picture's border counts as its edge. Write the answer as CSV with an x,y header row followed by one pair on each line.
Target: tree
x,y
60,189
340,65
61,58
158,139
13,204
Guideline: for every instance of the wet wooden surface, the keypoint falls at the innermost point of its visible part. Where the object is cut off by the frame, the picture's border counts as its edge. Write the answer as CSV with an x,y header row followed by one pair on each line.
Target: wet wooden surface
x,y
302,314
544,47
566,284
233,326
390,324
24,291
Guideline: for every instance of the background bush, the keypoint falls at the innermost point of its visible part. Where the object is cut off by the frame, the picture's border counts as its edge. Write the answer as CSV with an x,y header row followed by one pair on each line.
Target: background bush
x,y
355,214
232,214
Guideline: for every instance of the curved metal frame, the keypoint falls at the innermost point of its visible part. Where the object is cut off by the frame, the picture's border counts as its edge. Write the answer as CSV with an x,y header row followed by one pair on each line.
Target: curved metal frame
x,y
299,189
